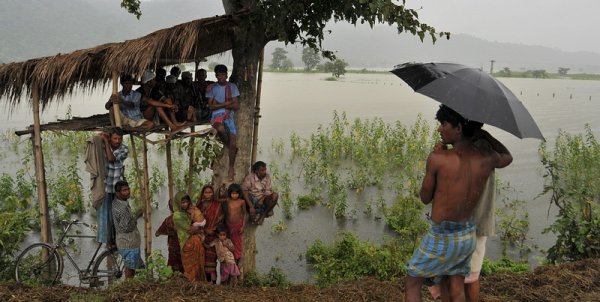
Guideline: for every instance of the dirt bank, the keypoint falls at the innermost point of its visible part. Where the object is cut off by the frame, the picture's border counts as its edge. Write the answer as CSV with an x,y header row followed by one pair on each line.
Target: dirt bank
x,y
577,281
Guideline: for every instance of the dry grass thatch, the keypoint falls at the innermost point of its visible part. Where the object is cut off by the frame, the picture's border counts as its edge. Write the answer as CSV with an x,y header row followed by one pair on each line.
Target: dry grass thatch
x,y
59,75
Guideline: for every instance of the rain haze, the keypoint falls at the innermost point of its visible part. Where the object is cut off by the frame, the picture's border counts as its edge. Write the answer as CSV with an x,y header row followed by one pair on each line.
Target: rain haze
x,y
566,25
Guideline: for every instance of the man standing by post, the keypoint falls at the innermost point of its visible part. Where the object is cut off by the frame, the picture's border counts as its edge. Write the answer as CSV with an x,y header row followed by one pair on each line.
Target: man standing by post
x,y
116,153
128,236
258,193
453,182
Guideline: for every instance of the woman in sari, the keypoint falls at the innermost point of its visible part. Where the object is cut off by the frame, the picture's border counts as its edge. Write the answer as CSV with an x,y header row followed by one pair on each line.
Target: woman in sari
x,y
188,222
213,212
168,228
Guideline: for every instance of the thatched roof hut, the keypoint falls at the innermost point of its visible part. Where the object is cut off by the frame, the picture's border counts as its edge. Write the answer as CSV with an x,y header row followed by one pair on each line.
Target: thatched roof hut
x,y
57,76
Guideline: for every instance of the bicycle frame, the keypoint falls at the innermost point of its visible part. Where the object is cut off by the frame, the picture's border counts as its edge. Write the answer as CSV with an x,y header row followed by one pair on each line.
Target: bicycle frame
x,y
83,274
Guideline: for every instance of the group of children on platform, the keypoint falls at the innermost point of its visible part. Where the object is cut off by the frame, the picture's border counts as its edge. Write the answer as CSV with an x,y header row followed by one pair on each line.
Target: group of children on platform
x,y
205,240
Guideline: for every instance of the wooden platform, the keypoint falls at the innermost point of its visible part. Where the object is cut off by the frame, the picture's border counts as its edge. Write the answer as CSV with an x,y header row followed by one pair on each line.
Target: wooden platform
x,y
101,122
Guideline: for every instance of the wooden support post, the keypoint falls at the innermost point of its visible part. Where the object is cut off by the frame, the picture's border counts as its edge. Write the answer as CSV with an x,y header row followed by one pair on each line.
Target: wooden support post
x,y
190,178
257,106
147,206
40,173
140,181
115,90
169,169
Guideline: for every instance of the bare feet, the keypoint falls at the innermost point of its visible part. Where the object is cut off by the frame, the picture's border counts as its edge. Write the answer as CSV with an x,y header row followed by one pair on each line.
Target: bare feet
x,y
176,129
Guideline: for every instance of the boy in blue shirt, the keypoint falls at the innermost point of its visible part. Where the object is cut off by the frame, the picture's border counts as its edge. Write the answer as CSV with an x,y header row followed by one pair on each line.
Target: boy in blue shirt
x,y
223,101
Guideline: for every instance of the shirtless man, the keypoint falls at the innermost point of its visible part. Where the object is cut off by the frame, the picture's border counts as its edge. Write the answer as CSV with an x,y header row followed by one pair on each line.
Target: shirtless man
x,y
453,182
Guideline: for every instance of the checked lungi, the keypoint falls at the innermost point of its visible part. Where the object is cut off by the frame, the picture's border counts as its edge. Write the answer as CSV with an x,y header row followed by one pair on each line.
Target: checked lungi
x,y
445,251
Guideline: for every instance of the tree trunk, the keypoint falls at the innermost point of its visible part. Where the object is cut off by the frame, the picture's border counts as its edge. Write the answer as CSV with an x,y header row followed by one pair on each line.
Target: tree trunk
x,y
248,41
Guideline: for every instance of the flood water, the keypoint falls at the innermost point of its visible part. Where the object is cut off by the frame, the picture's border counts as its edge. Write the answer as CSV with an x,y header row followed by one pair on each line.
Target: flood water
x,y
301,102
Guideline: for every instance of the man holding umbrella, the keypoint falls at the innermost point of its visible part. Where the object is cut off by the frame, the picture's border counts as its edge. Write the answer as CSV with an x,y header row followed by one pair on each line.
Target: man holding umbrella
x,y
453,183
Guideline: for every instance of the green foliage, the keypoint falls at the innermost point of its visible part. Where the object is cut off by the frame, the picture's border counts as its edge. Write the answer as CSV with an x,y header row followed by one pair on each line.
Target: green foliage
x,y
274,278
572,177
304,22
513,223
306,201
156,269
310,58
351,259
405,217
16,218
503,265
343,158
65,193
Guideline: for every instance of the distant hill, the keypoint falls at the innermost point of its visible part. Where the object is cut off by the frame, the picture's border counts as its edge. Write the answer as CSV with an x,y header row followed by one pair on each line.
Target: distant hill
x,y
384,47
33,28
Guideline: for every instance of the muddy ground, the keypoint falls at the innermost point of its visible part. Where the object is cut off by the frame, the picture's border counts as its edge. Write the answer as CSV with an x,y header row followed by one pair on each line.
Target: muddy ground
x,y
577,281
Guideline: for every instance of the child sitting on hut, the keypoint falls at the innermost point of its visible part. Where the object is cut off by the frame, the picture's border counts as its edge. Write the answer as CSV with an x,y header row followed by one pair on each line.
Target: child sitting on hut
x,y
224,247
235,216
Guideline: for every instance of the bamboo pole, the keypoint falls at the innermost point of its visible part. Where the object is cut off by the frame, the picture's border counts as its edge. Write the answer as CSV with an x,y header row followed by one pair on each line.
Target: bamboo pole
x,y
169,170
115,90
40,173
147,206
257,106
137,172
191,163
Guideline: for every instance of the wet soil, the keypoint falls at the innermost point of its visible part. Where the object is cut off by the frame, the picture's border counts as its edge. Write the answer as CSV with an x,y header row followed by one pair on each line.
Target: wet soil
x,y
577,281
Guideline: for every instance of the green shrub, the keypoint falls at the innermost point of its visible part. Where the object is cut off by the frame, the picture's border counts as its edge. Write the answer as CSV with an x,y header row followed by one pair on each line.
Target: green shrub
x,y
405,217
572,177
306,201
503,265
350,259
274,278
156,269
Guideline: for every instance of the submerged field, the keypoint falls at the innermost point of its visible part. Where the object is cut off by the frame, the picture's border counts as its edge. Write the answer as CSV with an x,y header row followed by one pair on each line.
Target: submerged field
x,y
577,281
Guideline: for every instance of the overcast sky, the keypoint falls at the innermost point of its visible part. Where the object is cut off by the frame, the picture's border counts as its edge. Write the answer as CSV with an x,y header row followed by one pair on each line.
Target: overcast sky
x,y
569,25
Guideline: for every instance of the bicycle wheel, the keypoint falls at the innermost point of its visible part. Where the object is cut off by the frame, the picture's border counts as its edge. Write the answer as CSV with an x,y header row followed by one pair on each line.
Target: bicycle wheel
x,y
108,269
39,263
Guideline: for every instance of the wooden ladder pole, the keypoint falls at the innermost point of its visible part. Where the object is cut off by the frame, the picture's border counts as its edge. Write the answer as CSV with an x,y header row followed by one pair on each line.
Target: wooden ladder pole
x,y
40,173
169,168
190,178
147,205
115,90
257,106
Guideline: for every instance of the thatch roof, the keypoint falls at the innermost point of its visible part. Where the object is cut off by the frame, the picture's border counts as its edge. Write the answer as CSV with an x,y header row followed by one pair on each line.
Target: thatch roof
x,y
59,75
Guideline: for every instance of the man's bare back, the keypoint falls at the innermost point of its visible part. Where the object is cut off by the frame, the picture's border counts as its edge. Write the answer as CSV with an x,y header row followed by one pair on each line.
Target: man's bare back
x,y
460,178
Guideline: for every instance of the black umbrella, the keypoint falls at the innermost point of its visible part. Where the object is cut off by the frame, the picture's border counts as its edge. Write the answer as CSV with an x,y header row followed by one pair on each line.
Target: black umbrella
x,y
472,93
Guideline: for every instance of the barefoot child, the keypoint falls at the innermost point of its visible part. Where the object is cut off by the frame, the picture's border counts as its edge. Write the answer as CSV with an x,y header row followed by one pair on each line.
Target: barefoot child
x,y
235,216
224,248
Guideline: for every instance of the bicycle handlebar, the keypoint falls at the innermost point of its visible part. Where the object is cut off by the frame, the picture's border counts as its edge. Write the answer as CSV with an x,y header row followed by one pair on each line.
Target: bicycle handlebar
x,y
74,221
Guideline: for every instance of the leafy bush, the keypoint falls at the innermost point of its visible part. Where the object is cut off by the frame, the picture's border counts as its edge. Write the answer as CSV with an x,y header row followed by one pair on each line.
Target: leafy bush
x,y
572,176
405,217
16,215
156,269
274,278
351,259
503,265
306,201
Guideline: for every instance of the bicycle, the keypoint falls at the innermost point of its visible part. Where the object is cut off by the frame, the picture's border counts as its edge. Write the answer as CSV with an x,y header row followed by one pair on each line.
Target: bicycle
x,y
42,263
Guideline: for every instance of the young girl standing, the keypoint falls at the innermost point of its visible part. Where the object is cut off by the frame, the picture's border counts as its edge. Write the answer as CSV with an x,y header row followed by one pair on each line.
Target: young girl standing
x,y
225,248
235,217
